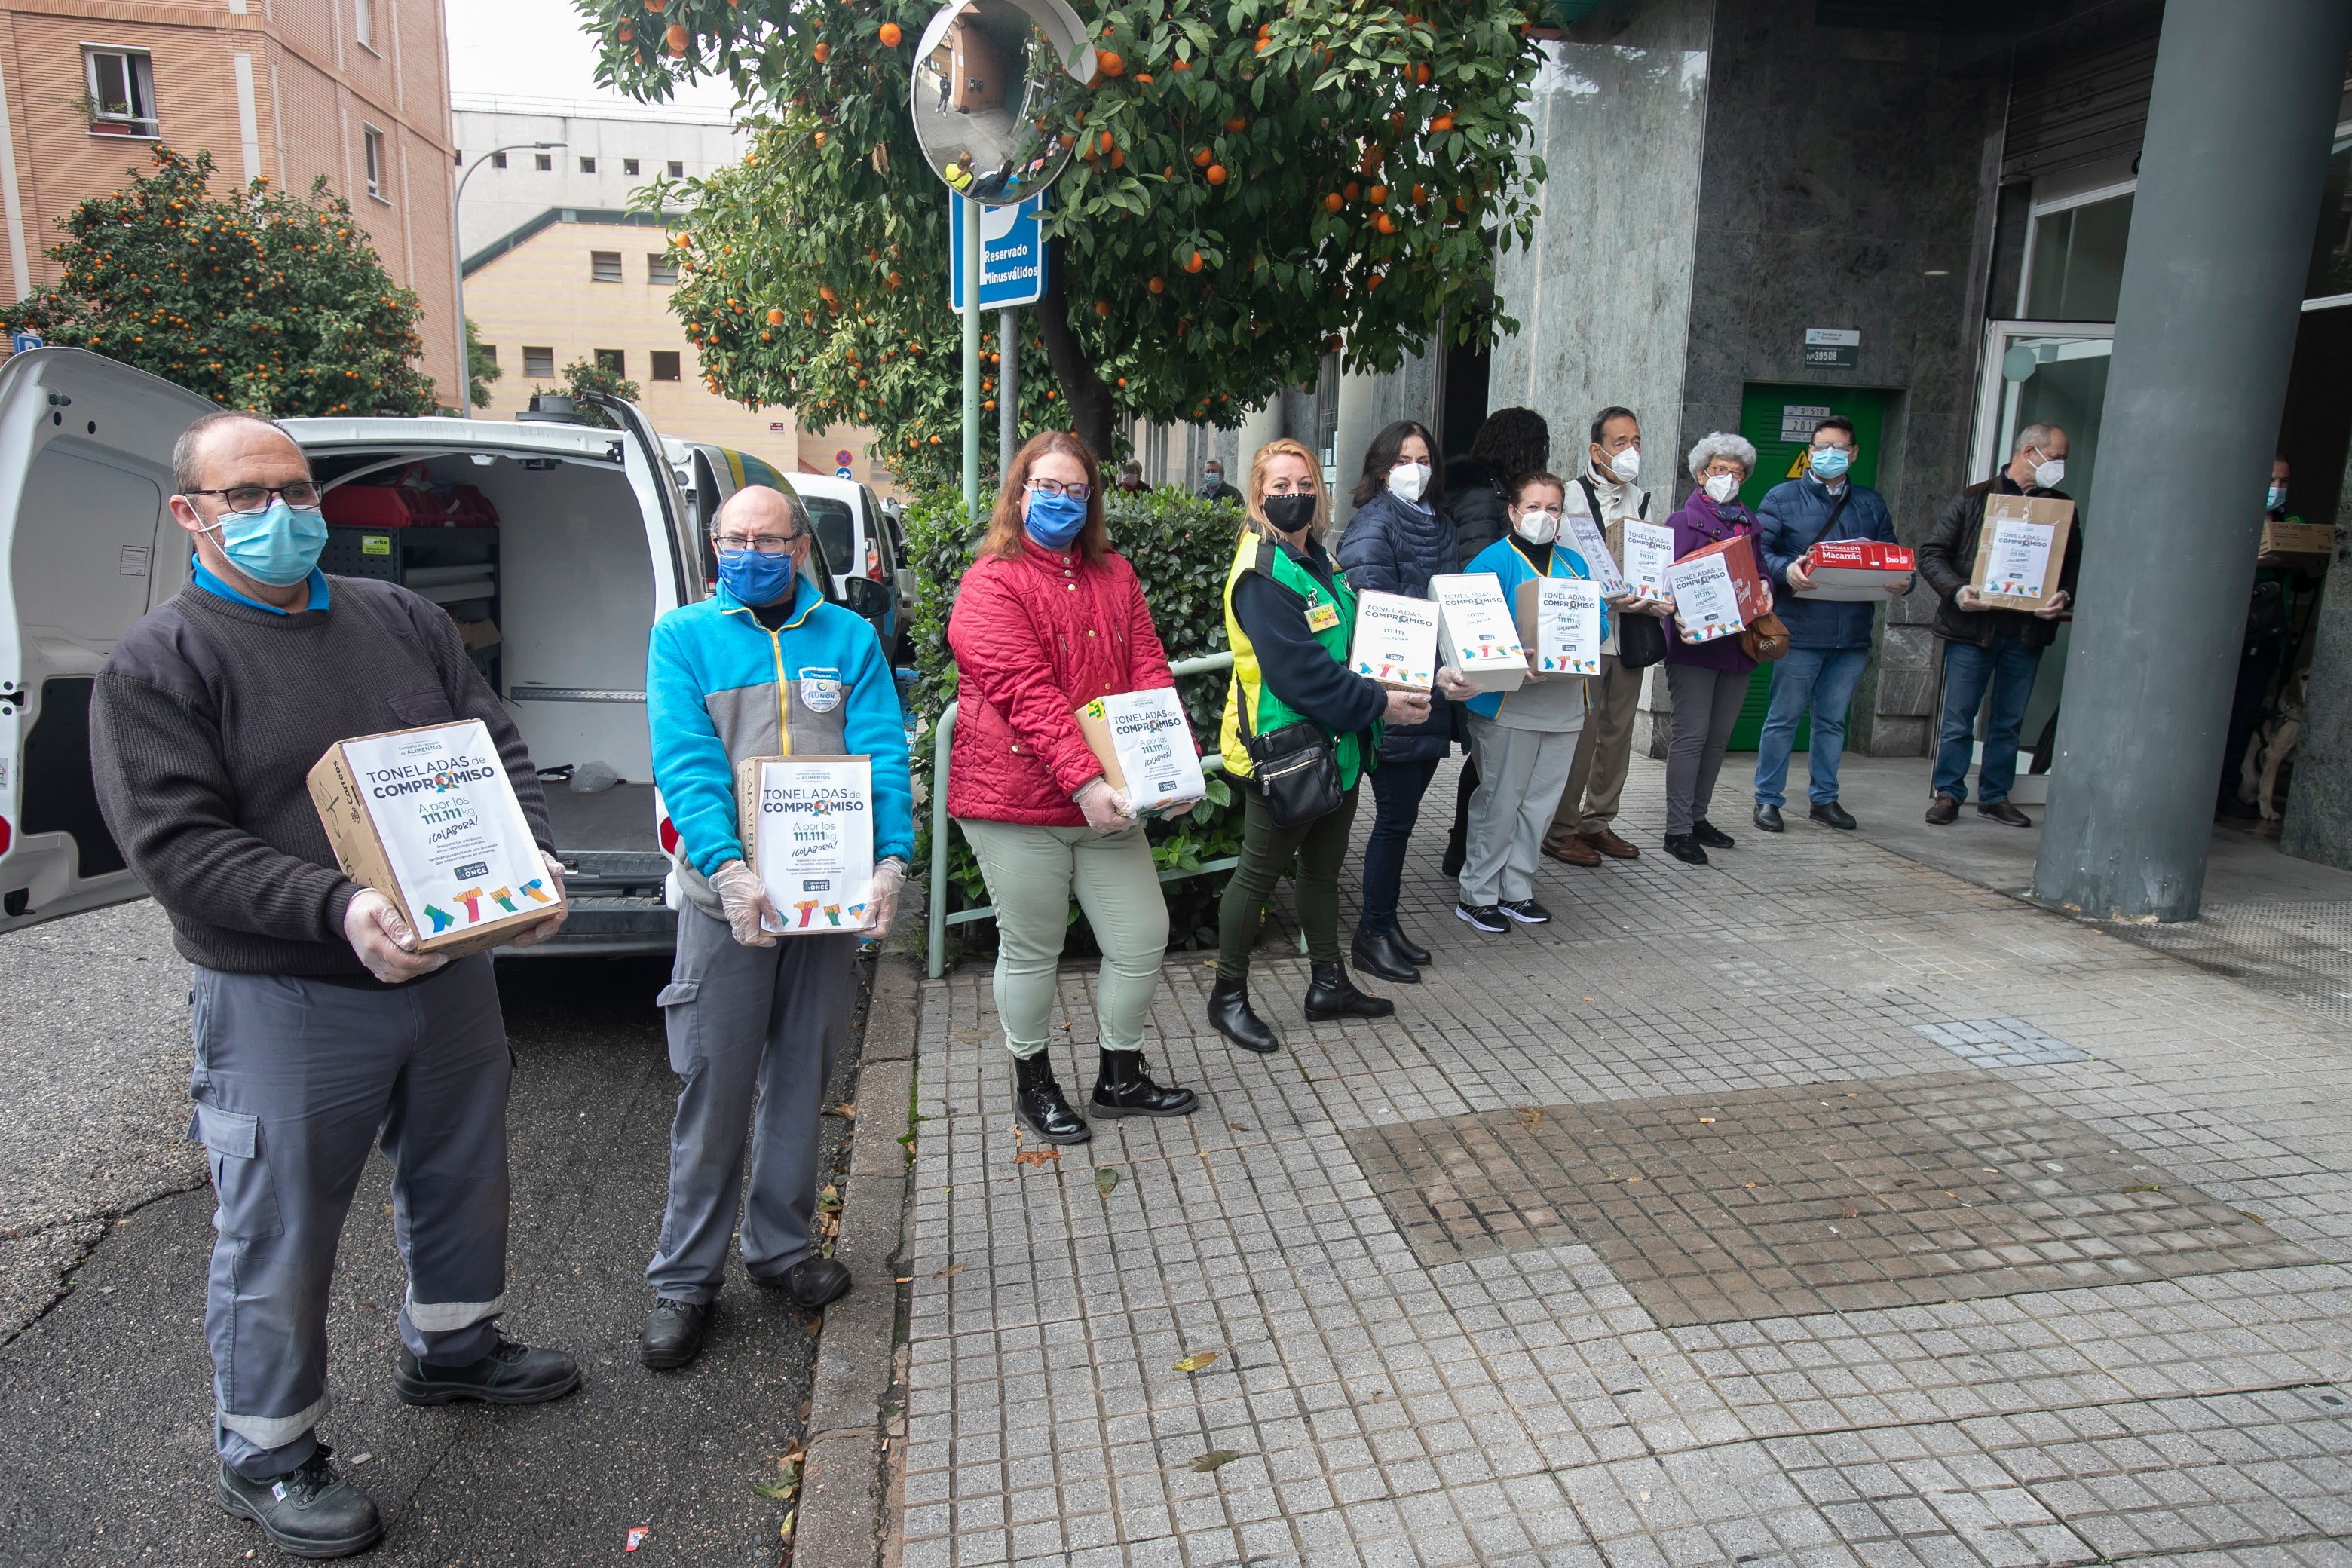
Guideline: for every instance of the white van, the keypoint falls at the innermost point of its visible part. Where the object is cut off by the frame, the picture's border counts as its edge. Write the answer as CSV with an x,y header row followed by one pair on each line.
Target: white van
x,y
599,532
862,537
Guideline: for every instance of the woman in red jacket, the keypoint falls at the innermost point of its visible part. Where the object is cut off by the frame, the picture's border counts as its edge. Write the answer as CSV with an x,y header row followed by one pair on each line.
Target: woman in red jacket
x,y
1048,618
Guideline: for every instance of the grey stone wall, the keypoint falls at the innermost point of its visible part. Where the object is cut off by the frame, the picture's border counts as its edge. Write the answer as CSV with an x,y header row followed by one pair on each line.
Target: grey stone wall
x,y
2318,823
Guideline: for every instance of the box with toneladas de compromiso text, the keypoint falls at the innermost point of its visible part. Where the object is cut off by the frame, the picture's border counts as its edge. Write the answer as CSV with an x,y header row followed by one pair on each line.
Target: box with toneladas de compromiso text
x,y
807,824
1716,589
1476,638
428,818
2021,551
1559,624
1145,746
1396,640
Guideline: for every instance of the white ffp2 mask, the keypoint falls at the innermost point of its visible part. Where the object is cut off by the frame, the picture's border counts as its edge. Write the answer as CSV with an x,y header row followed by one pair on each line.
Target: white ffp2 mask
x,y
1409,481
1721,488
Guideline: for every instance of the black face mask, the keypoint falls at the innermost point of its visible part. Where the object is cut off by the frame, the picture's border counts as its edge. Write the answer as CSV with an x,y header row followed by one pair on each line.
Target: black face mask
x,y
1291,512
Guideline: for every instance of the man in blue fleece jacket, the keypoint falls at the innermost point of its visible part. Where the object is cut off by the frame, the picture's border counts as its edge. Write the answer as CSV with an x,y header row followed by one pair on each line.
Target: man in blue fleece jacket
x,y
763,667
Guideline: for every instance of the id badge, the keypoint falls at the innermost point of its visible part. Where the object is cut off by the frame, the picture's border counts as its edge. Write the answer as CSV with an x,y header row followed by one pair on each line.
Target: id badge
x,y
1321,618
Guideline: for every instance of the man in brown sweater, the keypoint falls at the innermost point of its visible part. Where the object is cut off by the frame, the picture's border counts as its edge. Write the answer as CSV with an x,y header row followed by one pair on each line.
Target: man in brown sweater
x,y
319,1026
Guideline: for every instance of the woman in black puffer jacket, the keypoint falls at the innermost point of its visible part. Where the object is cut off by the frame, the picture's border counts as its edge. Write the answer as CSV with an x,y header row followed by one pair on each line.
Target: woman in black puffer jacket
x,y
1399,538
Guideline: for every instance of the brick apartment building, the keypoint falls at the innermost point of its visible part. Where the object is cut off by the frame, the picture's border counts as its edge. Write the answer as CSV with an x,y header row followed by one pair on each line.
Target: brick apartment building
x,y
357,91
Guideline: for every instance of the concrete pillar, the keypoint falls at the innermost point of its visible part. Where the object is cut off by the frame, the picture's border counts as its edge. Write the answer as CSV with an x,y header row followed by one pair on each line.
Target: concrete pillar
x,y
2318,823
1258,427
1361,415
2230,169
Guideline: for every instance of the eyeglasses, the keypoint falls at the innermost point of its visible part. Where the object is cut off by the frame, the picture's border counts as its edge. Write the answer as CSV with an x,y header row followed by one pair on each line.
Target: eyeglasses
x,y
1056,487
1846,446
247,500
729,544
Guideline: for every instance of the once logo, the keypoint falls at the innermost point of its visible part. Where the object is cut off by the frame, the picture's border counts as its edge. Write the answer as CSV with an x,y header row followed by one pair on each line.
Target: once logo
x,y
817,884
479,868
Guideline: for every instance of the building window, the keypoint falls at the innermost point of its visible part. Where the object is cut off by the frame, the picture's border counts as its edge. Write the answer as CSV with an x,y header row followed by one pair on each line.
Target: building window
x,y
538,365
363,13
375,172
666,366
676,169
587,165
616,361
122,85
498,159
603,267
628,165
661,270
546,162
487,350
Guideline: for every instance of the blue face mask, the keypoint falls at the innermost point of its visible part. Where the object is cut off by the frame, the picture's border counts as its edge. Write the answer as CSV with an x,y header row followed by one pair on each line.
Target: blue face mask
x,y
278,546
753,578
1054,520
1830,462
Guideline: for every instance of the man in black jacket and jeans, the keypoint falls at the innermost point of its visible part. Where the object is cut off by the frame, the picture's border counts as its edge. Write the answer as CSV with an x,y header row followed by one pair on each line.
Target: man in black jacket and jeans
x,y
1988,648
321,1030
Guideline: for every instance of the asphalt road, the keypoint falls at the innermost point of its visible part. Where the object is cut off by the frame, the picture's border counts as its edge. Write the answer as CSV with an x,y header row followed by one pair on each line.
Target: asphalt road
x,y
105,1399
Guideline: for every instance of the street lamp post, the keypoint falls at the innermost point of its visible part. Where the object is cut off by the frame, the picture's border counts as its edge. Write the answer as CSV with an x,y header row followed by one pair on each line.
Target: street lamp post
x,y
458,271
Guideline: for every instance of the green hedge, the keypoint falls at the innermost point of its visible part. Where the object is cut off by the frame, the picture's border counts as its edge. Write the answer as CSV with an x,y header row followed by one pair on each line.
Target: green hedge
x,y
1180,547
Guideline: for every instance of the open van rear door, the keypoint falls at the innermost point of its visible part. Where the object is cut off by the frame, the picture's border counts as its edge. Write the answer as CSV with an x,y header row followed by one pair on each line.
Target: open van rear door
x,y
87,546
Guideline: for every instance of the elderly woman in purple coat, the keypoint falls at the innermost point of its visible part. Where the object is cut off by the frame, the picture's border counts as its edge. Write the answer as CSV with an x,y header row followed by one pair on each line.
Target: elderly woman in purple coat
x,y
1707,681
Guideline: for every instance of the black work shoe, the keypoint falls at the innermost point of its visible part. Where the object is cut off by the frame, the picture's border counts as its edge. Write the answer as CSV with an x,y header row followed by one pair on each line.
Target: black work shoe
x,y
1409,947
1767,818
314,1513
1229,1013
1457,849
1943,811
1382,952
2007,815
511,1374
1123,1088
1037,1101
1829,813
1526,911
812,1283
1682,847
673,1333
1331,994
1708,834
1488,918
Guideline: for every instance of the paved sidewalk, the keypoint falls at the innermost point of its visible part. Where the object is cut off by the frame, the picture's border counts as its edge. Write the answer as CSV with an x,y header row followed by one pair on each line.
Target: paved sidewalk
x,y
1813,1206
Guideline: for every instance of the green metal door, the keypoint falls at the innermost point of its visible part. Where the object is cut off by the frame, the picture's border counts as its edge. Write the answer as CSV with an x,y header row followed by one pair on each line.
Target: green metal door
x,y
1779,418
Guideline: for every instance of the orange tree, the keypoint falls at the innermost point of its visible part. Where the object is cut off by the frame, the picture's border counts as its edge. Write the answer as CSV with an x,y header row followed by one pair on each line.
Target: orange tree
x,y
1255,183
259,299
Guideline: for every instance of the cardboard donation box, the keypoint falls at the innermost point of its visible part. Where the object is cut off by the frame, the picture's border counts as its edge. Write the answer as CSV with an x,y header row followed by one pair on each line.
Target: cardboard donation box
x,y
1716,589
1854,569
1559,624
1582,534
2021,550
1475,637
1649,550
2297,538
428,818
808,823
1396,640
1145,747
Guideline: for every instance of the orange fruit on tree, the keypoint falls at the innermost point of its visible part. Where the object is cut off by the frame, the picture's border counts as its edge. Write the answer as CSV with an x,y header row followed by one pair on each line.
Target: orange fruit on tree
x,y
1109,62
1216,173
1332,201
775,317
1102,307
626,32
1193,262
889,34
674,38
1443,122
1378,195
822,52
1119,157
1143,78
1385,224
1419,195
1421,75
1236,123
1182,64
1265,29
1102,141
1262,44
1122,381
817,138
1352,189
1158,286
1201,157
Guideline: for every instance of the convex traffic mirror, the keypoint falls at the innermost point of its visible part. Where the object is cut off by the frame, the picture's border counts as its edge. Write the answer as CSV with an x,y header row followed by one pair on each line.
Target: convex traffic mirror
x,y
990,77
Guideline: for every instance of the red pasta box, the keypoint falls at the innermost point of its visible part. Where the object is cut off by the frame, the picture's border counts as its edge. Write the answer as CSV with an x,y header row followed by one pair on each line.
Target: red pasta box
x,y
1854,569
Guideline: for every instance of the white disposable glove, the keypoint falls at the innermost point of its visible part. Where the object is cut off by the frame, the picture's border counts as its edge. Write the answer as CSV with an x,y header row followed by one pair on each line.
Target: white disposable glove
x,y
882,895
384,941
1453,683
1407,707
1106,808
745,899
533,935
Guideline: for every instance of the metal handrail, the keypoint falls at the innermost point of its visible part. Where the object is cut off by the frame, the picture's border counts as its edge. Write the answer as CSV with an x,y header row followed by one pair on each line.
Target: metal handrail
x,y
1212,761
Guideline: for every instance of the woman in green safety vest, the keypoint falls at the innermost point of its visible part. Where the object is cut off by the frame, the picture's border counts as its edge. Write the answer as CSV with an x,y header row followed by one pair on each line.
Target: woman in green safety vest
x,y
1289,615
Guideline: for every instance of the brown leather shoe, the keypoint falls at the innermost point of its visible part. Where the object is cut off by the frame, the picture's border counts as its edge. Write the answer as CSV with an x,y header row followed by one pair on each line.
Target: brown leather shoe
x,y
1609,844
2000,811
1943,811
1571,849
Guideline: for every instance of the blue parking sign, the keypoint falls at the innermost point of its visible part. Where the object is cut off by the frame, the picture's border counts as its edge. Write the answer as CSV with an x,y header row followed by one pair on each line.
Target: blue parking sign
x,y
1012,255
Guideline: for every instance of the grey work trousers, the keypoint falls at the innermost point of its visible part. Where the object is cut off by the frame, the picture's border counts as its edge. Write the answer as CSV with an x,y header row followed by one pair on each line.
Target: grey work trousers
x,y
1706,706
294,1079
753,1031
1521,773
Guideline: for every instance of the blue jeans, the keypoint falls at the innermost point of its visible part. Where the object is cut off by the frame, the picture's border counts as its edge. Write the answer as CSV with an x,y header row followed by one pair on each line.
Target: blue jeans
x,y
1397,789
1826,678
2009,668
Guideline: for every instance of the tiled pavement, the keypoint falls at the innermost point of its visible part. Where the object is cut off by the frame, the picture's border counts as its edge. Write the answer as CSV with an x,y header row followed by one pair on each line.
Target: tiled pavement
x,y
1396,1389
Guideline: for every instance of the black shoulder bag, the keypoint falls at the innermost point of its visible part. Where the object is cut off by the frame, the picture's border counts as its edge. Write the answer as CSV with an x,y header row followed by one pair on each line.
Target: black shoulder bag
x,y
1294,766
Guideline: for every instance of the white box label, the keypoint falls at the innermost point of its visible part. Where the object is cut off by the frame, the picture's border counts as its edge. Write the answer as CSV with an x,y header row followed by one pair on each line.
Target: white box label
x,y
813,841
453,833
1476,632
1705,602
1154,744
1568,628
1649,550
1396,640
2020,558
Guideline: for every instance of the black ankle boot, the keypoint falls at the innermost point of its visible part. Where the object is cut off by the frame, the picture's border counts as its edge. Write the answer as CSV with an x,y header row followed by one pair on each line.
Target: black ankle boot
x,y
1037,1100
1331,994
1123,1088
1229,1011
1382,952
1409,947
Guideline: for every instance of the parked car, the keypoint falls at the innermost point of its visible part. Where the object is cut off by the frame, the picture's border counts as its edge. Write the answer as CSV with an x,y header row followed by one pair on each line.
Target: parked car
x,y
861,538
555,545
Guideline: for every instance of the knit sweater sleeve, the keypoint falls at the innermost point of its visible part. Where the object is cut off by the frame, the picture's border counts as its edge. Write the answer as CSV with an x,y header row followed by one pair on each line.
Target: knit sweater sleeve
x,y
167,795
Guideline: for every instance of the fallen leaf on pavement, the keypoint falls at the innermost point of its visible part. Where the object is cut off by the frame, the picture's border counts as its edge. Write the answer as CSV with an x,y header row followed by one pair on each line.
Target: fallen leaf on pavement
x,y
785,1530
1529,1116
776,1491
950,1272
829,1200
1196,1361
1106,1181
1214,1460
1037,1157
846,1110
